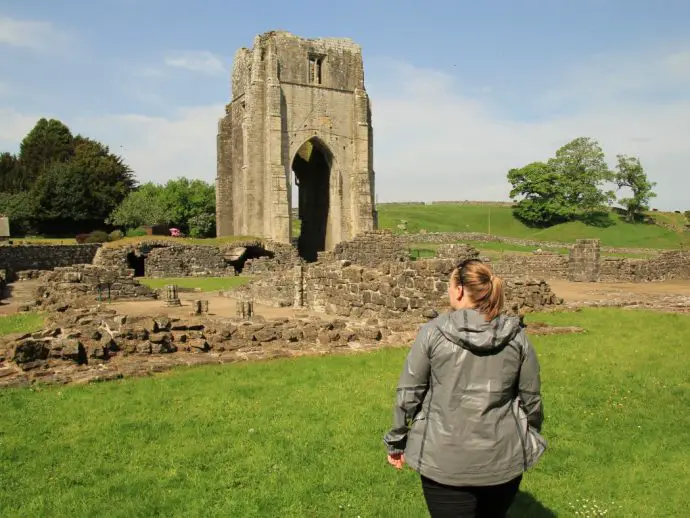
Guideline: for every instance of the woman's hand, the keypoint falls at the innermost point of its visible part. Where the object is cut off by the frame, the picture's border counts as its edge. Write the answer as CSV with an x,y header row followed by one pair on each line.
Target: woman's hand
x,y
396,460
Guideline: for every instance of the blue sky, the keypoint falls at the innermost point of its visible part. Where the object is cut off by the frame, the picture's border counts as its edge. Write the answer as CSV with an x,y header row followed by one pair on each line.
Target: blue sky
x,y
461,91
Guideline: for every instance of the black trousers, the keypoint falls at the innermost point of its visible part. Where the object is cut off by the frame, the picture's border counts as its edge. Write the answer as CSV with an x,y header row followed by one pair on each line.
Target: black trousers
x,y
469,502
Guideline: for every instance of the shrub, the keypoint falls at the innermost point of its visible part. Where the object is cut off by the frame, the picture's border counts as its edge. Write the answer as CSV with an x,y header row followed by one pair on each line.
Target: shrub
x,y
98,236
116,235
81,238
136,232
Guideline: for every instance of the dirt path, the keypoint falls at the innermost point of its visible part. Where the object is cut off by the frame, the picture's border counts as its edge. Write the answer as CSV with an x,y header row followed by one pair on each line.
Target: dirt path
x,y
585,291
17,294
219,306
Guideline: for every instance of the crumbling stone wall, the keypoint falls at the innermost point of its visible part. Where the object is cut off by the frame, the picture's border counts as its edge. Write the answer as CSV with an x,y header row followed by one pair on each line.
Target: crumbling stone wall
x,y
547,265
458,252
392,288
397,288
368,249
68,285
163,258
584,261
187,261
671,265
15,258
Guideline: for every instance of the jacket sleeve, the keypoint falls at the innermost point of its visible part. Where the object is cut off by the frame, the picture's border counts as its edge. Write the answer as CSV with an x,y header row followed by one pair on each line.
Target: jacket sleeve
x,y
529,385
412,387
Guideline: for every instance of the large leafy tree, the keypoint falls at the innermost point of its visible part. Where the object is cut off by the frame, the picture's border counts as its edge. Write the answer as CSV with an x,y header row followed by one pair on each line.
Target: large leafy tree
x,y
543,201
582,172
73,183
109,179
630,174
568,186
49,141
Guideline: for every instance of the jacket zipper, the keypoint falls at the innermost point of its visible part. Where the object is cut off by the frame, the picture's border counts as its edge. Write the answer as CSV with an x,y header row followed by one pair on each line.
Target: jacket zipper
x,y
522,439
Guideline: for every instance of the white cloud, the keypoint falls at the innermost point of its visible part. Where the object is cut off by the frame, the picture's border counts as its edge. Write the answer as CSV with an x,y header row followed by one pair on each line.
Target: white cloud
x,y
34,35
201,61
431,141
160,148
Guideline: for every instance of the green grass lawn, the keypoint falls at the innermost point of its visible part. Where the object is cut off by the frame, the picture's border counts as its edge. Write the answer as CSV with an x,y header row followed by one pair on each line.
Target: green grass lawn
x,y
475,218
202,283
20,323
302,437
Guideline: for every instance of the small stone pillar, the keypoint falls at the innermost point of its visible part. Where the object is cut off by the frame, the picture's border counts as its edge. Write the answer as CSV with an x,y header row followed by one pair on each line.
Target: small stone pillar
x,y
172,299
584,261
245,308
199,307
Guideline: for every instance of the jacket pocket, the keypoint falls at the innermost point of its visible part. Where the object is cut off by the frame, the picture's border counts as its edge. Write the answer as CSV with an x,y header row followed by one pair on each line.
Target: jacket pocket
x,y
532,442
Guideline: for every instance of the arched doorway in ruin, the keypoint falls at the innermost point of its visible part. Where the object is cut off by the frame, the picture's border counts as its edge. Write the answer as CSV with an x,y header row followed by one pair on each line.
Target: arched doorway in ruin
x,y
311,167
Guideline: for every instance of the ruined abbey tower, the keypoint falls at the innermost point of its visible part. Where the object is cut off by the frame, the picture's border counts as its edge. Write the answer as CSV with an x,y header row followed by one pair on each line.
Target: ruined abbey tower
x,y
299,112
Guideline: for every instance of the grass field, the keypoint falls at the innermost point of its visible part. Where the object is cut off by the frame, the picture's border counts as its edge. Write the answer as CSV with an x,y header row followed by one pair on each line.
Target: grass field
x,y
20,323
495,250
302,437
476,218
202,283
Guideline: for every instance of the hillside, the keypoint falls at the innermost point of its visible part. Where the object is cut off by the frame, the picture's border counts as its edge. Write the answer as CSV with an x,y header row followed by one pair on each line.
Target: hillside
x,y
477,218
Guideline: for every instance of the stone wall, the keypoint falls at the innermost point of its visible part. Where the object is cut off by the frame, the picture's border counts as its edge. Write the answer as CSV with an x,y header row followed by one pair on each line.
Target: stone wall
x,y
66,286
15,258
368,249
459,237
162,258
584,261
397,288
547,265
392,288
671,265
187,261
458,252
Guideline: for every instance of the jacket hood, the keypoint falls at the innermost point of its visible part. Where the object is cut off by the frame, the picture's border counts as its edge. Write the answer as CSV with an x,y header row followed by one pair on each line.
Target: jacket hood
x,y
469,329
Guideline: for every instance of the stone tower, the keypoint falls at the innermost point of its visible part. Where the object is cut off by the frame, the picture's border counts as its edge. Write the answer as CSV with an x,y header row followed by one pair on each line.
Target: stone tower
x,y
299,110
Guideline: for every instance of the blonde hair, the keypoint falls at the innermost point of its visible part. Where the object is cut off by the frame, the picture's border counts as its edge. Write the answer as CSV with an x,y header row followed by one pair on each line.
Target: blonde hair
x,y
484,288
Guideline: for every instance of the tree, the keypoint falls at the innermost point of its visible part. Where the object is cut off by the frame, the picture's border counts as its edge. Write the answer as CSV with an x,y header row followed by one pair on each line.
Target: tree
x,y
10,173
109,179
568,186
142,207
63,194
630,174
187,204
582,172
49,141
22,209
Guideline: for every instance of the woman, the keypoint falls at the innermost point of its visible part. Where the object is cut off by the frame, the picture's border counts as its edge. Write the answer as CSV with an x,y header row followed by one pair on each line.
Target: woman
x,y
469,410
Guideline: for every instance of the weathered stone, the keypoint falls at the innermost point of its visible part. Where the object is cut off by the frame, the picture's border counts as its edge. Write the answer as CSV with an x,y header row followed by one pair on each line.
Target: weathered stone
x,y
321,101
30,350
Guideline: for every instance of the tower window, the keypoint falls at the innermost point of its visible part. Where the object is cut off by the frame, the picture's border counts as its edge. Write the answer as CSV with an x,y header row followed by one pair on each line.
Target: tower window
x,y
315,69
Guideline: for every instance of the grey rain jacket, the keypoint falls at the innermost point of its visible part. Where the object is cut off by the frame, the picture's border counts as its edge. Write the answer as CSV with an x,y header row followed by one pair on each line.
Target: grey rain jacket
x,y
468,410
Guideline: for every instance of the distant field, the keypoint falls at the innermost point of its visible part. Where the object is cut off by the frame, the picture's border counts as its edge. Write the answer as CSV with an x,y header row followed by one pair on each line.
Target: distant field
x,y
202,283
495,250
499,221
